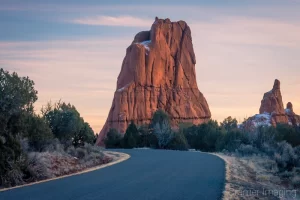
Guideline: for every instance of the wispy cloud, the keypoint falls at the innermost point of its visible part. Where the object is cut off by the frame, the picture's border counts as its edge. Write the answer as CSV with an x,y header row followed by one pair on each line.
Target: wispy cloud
x,y
114,21
249,31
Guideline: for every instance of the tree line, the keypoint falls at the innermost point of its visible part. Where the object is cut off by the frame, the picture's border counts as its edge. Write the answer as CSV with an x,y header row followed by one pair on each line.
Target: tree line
x,y
281,143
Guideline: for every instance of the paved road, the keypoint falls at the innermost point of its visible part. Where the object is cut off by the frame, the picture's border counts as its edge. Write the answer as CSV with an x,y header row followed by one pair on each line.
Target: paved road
x,y
148,174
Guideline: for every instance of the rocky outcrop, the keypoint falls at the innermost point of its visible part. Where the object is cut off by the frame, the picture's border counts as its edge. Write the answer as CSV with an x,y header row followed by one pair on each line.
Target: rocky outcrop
x,y
158,72
272,112
272,104
293,118
272,100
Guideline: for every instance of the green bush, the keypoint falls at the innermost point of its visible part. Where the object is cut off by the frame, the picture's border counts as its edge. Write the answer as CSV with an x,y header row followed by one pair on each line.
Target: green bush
x,y
229,123
67,125
247,150
147,137
113,139
17,98
285,156
178,142
261,135
231,140
39,133
204,136
288,133
10,154
131,137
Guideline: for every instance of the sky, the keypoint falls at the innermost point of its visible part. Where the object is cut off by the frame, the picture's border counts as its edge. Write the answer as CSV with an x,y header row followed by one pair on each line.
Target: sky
x,y
73,50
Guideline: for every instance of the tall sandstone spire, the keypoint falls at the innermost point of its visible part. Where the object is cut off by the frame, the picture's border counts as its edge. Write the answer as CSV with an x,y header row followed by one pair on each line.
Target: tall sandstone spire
x,y
272,100
158,72
272,104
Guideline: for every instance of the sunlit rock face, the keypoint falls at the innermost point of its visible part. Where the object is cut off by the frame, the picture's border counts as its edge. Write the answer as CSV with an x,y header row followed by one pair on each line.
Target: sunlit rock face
x,y
158,72
273,105
272,111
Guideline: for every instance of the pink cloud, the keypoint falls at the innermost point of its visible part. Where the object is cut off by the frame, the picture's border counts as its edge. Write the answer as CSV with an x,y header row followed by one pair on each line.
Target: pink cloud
x,y
114,21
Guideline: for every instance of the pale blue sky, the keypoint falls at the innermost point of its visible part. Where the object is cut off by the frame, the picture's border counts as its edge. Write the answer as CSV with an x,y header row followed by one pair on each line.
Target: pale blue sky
x,y
73,50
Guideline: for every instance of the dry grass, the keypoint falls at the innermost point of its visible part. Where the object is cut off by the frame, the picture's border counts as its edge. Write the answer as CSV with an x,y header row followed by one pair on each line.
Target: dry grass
x,y
115,158
54,164
254,177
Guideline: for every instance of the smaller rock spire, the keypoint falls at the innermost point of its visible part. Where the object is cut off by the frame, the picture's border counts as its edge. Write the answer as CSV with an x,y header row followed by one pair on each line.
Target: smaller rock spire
x,y
289,106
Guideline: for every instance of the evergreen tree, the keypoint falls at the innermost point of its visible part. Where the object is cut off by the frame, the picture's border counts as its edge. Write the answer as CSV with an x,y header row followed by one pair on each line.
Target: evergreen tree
x,y
67,125
113,139
229,123
178,142
131,137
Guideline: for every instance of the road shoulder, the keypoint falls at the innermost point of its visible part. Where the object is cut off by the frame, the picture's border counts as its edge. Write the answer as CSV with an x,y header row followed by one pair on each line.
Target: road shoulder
x,y
117,157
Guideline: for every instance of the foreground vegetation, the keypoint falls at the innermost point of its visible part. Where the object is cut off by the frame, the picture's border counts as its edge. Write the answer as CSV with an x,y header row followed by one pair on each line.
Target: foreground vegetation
x,y
35,147
58,141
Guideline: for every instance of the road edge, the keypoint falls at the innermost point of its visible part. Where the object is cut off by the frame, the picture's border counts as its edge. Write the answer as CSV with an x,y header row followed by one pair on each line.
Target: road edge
x,y
122,157
227,176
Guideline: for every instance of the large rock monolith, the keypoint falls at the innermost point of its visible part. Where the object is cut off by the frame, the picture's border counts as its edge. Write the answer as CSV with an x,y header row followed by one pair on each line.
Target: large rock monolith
x,y
158,72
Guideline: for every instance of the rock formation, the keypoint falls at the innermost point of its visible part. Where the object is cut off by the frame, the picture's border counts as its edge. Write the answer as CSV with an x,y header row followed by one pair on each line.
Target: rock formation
x,y
158,72
293,118
272,111
272,104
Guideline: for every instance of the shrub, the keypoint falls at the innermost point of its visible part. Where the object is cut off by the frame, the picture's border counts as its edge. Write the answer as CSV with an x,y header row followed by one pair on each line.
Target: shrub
x,y
268,149
185,125
297,152
231,140
67,125
92,148
262,135
288,133
285,157
24,144
229,123
147,137
159,117
163,133
247,150
17,98
72,151
131,137
161,128
35,168
296,181
10,155
15,172
178,142
203,137
81,153
13,176
55,146
113,139
39,133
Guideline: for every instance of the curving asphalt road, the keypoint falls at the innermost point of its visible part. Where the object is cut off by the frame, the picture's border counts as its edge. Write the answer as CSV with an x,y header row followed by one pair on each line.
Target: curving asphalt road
x,y
147,175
